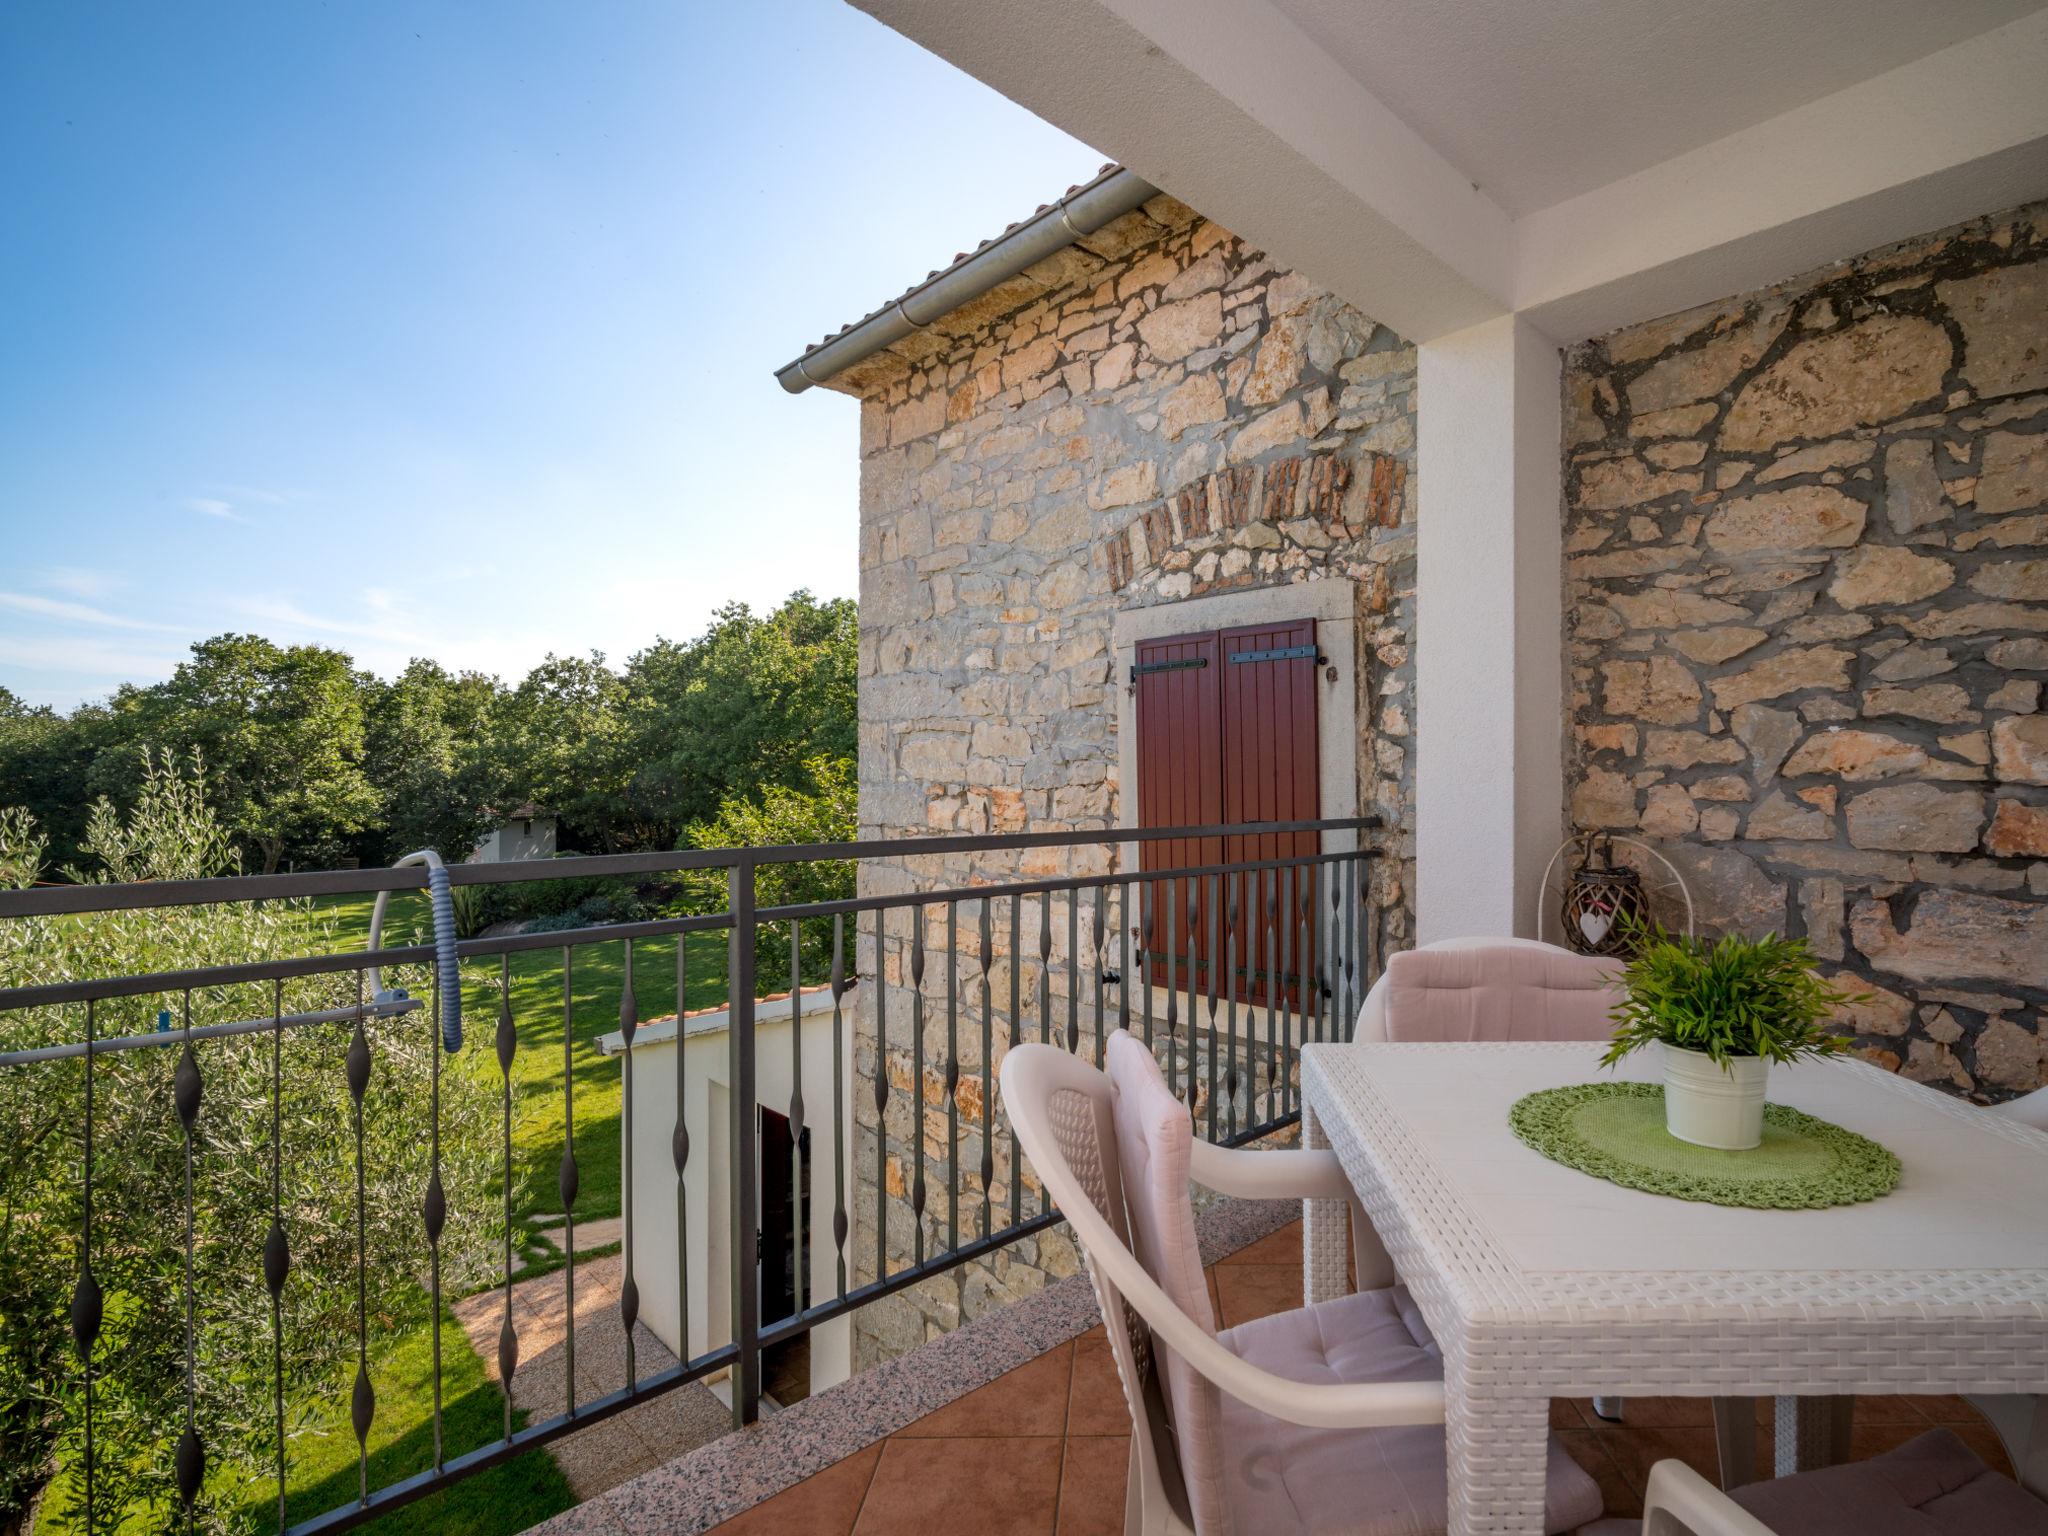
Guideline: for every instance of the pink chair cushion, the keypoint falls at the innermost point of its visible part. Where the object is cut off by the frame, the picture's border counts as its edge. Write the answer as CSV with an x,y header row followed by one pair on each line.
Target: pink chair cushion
x,y
1155,1147
1506,992
1933,1485
1294,1481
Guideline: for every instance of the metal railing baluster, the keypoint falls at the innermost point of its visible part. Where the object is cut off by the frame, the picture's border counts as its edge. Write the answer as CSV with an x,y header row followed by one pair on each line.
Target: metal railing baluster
x,y
988,1103
1211,905
952,1075
1073,971
1144,957
679,1148
88,1302
746,1222
277,1255
796,1114
839,1222
917,1084
1123,962
1097,943
1016,1036
1170,935
567,1177
881,1092
363,1400
629,1289
507,1044
434,1213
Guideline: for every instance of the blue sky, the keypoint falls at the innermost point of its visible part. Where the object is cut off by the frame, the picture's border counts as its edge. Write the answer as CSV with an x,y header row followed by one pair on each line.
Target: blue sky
x,y
449,330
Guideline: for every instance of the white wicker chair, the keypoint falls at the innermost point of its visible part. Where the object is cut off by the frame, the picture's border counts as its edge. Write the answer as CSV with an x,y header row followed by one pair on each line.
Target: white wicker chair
x,y
1225,1439
1933,1485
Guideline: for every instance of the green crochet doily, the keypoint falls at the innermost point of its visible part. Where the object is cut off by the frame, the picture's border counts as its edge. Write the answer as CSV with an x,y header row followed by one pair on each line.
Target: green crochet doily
x,y
1615,1131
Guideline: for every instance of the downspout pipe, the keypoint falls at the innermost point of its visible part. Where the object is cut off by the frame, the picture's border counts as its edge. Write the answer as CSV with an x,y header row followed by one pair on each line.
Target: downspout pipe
x,y
1081,212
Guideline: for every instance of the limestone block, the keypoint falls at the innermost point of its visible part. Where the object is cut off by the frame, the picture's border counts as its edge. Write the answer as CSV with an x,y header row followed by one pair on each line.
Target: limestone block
x,y
1787,672
1885,574
2004,316
1922,818
2014,475
1799,517
1870,373
2019,749
1858,756
2017,830
1956,935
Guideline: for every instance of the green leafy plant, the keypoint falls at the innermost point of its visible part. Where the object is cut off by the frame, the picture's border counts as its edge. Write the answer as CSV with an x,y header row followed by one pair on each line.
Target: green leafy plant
x,y
1731,998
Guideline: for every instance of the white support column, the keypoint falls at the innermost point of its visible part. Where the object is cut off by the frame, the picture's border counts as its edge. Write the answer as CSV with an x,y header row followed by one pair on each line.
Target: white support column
x,y
1489,653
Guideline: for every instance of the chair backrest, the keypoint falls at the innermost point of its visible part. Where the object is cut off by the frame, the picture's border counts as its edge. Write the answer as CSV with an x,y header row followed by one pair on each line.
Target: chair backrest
x,y
2028,1109
1122,1143
1491,989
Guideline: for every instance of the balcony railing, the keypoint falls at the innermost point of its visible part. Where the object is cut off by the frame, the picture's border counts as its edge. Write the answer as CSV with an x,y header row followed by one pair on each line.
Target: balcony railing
x,y
1242,944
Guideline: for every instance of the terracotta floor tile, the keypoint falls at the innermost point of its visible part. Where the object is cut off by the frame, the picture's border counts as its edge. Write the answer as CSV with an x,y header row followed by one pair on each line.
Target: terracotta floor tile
x,y
1095,1401
1945,1410
1889,1410
1636,1448
992,1487
1092,1485
1617,1498
1248,1291
1283,1247
1030,1400
823,1504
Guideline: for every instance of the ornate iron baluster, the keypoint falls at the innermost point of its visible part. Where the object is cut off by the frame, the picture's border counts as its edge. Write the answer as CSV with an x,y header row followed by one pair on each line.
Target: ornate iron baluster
x,y
1171,935
1268,957
1144,959
917,1080
881,1094
1194,920
1045,968
1073,970
363,1401
952,1075
567,1178
1233,915
434,1207
839,1223
1100,941
679,1149
629,1290
796,1113
1216,915
88,1303
507,1044
1016,1034
186,1092
988,1102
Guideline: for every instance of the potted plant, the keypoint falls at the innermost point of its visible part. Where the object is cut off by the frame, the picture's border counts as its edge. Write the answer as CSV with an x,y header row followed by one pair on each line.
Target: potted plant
x,y
1722,1013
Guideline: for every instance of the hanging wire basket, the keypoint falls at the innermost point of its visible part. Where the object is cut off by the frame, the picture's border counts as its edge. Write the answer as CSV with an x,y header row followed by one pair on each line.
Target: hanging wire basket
x,y
1602,902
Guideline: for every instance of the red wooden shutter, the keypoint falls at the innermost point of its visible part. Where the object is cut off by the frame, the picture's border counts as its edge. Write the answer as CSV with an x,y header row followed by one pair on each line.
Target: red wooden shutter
x,y
1269,774
1180,782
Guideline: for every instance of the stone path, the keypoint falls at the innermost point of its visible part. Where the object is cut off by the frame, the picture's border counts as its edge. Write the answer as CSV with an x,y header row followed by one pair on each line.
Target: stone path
x,y
606,1454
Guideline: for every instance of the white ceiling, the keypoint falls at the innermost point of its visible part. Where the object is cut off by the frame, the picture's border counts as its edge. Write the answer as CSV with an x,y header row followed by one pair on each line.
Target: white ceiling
x,y
1539,100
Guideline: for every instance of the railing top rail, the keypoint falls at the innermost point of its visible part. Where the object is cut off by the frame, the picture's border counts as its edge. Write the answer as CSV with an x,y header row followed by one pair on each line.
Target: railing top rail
x,y
60,900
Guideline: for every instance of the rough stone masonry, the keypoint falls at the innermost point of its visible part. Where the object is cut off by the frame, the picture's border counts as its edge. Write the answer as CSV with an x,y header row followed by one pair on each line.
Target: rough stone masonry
x,y
1806,596
1155,413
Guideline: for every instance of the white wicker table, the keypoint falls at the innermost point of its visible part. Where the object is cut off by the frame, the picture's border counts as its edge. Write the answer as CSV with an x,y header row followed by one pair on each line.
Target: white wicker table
x,y
1540,1281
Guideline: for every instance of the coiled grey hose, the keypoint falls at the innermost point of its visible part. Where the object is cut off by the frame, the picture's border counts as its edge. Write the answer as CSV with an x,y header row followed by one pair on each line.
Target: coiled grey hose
x,y
447,969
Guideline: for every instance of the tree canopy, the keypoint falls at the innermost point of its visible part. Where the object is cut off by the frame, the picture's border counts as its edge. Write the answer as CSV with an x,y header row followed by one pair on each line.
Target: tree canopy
x,y
311,760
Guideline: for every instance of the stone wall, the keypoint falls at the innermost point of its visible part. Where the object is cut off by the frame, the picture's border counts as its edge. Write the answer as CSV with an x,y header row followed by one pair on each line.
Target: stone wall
x,y
1155,414
1807,621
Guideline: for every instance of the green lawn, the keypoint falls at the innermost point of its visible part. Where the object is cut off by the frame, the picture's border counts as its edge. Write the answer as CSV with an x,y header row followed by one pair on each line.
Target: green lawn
x,y
597,972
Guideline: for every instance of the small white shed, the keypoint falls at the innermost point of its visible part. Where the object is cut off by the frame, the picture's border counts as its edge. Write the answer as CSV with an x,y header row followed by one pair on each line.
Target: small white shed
x,y
788,1183
527,833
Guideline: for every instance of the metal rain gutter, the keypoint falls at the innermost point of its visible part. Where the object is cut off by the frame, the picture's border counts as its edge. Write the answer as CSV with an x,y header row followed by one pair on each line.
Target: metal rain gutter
x,y
1081,212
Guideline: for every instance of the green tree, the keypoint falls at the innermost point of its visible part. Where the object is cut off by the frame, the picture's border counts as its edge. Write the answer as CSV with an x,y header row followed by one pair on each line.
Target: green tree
x,y
825,810
743,707
561,745
138,1192
280,728
427,752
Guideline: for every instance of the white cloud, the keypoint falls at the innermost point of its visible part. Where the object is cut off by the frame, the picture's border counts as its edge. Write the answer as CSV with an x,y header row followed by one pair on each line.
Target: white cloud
x,y
80,581
74,613
210,506
102,660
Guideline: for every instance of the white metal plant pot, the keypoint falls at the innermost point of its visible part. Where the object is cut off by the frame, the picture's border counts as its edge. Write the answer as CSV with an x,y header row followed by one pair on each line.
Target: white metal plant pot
x,y
1711,1105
